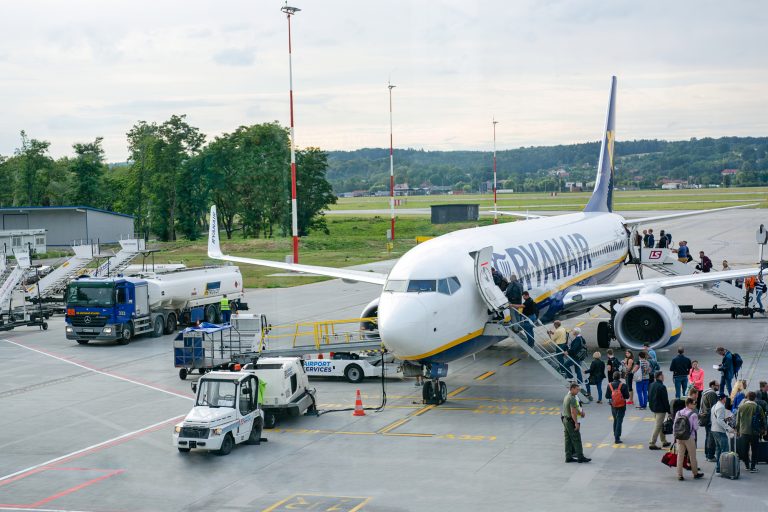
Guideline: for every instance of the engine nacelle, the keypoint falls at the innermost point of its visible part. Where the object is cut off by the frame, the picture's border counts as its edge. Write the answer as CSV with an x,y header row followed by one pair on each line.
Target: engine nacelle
x,y
370,311
648,318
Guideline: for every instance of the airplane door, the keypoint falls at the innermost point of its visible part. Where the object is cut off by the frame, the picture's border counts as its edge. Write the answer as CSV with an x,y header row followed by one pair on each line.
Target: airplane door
x,y
491,294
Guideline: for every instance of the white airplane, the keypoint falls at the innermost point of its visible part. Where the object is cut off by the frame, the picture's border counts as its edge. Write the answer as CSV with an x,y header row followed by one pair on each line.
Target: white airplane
x,y
439,297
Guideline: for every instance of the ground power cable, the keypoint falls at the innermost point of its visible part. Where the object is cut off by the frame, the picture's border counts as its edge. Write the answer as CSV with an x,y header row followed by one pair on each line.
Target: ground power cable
x,y
379,408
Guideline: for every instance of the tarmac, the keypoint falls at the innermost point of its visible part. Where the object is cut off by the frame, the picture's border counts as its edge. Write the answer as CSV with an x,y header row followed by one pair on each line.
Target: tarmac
x,y
88,428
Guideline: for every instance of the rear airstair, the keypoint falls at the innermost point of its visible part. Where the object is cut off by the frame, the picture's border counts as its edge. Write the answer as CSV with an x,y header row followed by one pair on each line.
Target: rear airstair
x,y
5,270
665,262
14,278
129,249
55,282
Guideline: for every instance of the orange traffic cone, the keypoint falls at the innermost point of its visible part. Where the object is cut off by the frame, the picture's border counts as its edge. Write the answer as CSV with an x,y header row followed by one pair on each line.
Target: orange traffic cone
x,y
358,406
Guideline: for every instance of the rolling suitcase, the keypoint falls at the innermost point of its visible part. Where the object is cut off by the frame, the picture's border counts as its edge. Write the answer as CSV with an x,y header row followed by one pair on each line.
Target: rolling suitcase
x,y
762,452
730,467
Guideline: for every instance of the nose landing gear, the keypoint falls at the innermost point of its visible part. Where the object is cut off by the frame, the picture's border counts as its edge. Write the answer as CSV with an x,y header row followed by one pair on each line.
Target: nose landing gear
x,y
434,391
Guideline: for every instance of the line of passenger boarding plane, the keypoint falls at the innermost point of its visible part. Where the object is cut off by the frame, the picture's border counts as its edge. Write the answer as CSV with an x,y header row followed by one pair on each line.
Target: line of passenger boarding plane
x,y
439,296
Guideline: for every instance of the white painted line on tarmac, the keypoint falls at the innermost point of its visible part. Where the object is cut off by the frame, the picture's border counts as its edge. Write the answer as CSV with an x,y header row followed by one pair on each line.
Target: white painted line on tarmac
x,y
93,447
27,509
100,372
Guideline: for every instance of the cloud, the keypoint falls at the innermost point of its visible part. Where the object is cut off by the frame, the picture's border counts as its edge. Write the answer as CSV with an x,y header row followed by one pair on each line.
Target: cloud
x,y
235,56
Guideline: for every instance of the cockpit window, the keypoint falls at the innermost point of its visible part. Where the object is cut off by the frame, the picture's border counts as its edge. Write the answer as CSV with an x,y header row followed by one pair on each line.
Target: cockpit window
x,y
442,287
396,286
454,284
421,285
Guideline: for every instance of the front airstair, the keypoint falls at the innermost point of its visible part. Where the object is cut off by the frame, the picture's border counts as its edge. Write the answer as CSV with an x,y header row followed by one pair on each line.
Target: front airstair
x,y
55,282
129,249
14,278
665,262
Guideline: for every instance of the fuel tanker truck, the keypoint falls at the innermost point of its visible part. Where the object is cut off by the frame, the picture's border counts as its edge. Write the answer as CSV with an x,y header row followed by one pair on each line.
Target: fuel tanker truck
x,y
119,308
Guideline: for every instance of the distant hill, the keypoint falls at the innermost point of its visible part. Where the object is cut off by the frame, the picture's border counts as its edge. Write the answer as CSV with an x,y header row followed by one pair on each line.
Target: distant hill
x,y
639,163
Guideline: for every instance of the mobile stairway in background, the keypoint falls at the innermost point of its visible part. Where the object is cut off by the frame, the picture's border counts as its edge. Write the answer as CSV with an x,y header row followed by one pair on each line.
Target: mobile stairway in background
x,y
129,250
11,317
53,285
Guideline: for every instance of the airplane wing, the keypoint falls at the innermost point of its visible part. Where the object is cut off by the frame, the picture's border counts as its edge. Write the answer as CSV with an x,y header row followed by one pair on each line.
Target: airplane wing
x,y
518,214
593,295
646,220
214,252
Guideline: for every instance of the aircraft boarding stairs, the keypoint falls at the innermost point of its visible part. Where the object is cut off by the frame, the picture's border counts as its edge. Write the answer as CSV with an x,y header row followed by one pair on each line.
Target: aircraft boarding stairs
x,y
665,262
129,249
55,282
14,278
556,361
5,270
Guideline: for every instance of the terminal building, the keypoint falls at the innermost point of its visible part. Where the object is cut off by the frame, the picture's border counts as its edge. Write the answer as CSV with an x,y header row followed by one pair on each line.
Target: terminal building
x,y
65,225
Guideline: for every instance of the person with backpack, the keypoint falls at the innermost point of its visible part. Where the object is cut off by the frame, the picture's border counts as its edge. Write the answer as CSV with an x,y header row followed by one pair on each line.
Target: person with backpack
x,y
708,400
643,374
531,312
705,264
596,374
738,394
662,240
658,402
498,279
618,395
727,369
750,425
760,289
684,428
577,352
612,365
680,366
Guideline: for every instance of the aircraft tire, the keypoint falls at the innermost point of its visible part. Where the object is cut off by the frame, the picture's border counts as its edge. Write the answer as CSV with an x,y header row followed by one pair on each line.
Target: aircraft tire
x,y
603,335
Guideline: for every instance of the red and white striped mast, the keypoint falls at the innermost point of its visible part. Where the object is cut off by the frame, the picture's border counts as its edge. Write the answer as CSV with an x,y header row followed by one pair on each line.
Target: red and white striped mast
x,y
391,170
290,11
495,208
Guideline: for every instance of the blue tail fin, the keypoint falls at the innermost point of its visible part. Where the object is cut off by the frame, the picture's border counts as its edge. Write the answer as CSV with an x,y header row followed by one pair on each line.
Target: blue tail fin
x,y
602,197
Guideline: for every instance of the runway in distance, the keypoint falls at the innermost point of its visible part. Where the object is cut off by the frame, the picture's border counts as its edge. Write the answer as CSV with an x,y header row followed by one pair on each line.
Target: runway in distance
x,y
439,296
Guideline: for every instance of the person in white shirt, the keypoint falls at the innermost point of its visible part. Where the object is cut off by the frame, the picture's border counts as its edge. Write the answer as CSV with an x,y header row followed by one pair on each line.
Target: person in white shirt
x,y
720,429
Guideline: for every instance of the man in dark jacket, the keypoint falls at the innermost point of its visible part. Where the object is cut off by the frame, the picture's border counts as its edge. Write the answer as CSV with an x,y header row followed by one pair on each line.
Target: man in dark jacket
x,y
706,263
726,369
498,279
658,402
708,400
680,367
531,311
618,390
514,291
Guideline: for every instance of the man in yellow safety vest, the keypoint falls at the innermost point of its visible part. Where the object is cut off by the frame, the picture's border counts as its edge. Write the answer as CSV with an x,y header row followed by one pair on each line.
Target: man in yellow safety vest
x,y
225,311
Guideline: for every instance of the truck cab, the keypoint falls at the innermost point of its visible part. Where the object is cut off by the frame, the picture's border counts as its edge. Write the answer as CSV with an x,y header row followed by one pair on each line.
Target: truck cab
x,y
105,308
226,412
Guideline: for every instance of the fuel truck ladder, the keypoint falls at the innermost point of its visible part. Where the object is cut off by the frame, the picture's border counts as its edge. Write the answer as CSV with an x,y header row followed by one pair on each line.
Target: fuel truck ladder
x,y
129,249
55,282
14,278
546,353
665,262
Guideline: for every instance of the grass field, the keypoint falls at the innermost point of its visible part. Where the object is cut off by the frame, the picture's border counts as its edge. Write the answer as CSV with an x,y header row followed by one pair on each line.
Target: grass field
x,y
360,238
623,200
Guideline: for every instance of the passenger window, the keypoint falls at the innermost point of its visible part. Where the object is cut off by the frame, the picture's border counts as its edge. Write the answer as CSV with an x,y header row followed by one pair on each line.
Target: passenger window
x,y
421,285
442,287
454,284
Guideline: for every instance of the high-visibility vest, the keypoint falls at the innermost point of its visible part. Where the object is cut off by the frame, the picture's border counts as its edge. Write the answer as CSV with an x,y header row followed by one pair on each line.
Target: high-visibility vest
x,y
225,304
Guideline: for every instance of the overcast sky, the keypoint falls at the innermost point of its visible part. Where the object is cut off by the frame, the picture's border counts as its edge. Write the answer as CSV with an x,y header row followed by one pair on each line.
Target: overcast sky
x,y
74,70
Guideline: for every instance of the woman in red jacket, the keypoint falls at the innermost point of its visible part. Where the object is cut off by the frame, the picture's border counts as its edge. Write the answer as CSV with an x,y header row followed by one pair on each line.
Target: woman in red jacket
x,y
696,378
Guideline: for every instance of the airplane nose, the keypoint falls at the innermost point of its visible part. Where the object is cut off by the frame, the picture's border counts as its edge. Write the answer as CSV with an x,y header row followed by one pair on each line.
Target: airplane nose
x,y
402,323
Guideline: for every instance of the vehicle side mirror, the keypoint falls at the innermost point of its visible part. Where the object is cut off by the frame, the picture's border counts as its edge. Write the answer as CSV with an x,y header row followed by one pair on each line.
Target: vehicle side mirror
x,y
193,385
246,391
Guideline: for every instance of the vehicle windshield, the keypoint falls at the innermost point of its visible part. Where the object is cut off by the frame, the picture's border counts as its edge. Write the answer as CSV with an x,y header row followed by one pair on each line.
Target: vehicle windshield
x,y
216,393
94,295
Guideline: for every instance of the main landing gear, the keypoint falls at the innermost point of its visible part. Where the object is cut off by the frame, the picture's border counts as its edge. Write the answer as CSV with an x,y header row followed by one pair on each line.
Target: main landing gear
x,y
434,391
605,332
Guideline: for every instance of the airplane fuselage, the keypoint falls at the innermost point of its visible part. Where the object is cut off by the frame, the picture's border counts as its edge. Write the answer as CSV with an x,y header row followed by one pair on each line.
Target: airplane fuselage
x,y
431,310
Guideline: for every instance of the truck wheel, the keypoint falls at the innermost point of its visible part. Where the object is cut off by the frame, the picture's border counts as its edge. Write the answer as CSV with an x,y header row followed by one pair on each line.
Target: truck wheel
x,y
184,450
82,342
270,420
125,334
354,374
210,314
45,326
226,445
603,335
158,326
183,373
170,323
255,437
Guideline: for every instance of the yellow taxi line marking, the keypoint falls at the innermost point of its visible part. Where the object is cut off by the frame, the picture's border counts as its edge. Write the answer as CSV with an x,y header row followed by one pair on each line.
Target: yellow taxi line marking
x,y
422,411
355,433
457,391
393,425
510,362
580,324
485,375
404,434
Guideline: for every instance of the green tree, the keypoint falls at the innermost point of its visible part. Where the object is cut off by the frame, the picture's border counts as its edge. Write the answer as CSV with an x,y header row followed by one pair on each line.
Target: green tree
x,y
142,137
314,194
88,168
30,163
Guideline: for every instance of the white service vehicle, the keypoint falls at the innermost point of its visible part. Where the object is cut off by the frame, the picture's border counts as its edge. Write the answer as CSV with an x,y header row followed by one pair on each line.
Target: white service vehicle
x,y
226,413
287,390
352,366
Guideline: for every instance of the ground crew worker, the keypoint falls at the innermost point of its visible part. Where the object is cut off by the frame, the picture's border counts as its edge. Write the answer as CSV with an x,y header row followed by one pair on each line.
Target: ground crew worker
x,y
569,415
224,306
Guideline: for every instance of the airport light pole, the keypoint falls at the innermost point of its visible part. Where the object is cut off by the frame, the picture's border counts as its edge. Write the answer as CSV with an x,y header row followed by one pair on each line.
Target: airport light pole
x,y
391,171
495,208
290,11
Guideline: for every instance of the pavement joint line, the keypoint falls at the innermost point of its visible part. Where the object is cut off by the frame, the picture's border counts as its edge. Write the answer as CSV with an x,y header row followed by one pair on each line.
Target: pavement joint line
x,y
510,362
485,375
88,449
98,371
457,391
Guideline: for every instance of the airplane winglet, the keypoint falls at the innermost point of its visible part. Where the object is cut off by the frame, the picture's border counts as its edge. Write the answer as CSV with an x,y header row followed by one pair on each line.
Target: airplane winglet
x,y
214,249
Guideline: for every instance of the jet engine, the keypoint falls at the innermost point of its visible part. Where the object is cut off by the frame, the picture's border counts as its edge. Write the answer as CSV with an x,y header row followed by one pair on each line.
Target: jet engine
x,y
647,318
370,327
